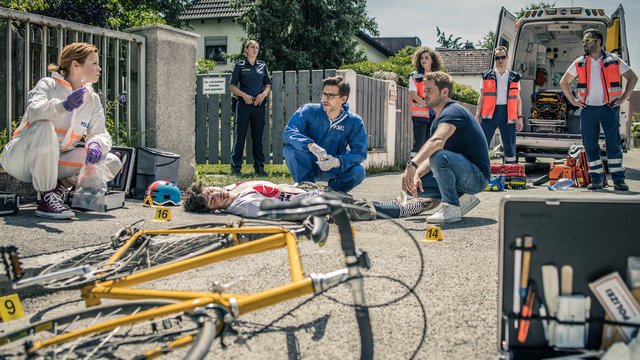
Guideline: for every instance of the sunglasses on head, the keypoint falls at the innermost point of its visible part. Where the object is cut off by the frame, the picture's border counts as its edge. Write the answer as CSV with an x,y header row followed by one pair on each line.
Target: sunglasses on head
x,y
500,57
587,40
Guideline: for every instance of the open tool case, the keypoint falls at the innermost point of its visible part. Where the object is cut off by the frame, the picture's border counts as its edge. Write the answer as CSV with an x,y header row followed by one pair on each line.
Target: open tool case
x,y
593,235
120,185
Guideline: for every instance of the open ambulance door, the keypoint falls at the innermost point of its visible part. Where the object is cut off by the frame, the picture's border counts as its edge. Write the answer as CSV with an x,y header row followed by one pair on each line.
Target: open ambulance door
x,y
505,34
617,43
617,35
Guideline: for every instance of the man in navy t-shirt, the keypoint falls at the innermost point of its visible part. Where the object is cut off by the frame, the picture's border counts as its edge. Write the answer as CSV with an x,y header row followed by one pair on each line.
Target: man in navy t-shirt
x,y
454,163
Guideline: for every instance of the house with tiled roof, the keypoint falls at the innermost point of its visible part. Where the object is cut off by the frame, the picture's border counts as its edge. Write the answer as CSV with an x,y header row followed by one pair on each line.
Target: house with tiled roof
x,y
467,65
215,22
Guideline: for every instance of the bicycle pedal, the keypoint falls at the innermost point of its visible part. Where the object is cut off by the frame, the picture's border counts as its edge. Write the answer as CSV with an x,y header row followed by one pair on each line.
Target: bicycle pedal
x,y
363,260
11,262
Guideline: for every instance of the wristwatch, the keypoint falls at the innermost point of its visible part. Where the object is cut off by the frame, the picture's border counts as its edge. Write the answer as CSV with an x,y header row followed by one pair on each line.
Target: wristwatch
x,y
412,163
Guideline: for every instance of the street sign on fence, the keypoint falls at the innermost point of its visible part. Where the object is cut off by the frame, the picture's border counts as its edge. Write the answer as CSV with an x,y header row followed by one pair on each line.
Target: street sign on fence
x,y
213,86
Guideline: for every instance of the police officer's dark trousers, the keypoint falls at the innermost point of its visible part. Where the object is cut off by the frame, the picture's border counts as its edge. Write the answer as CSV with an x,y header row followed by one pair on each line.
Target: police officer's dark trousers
x,y
248,115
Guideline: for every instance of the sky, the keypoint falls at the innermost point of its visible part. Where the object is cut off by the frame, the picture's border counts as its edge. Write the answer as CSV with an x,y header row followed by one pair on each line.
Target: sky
x,y
471,20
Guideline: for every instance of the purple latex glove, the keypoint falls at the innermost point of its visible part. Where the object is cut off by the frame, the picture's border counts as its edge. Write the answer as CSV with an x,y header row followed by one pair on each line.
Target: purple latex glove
x,y
75,99
94,153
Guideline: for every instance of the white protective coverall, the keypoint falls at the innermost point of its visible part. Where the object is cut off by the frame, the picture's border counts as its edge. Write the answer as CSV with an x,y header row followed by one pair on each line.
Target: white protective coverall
x,y
43,148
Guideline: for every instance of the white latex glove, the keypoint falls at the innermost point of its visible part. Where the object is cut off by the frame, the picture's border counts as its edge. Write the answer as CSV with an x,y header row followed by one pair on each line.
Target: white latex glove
x,y
318,151
328,164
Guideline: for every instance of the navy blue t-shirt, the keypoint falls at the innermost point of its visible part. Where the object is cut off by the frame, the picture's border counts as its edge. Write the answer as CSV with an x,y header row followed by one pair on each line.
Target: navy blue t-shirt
x,y
251,78
468,139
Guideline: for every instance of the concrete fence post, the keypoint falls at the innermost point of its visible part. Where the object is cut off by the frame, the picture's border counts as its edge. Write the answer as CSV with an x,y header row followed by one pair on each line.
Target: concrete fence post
x,y
350,77
390,121
170,93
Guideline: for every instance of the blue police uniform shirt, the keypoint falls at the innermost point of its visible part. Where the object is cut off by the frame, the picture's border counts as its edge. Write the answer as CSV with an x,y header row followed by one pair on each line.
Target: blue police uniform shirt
x,y
251,79
468,140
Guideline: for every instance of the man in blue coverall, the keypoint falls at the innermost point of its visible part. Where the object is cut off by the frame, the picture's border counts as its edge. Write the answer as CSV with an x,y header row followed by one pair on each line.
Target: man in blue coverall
x,y
327,142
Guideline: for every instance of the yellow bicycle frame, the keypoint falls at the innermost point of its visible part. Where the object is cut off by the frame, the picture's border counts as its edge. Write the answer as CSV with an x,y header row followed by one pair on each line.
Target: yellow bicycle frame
x,y
237,304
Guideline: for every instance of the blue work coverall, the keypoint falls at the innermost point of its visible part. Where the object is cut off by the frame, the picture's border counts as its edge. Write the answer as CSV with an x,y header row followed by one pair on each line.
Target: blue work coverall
x,y
310,124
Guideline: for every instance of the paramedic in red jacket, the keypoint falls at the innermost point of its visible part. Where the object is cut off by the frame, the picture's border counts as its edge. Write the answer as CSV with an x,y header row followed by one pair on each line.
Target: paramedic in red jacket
x,y
499,104
600,94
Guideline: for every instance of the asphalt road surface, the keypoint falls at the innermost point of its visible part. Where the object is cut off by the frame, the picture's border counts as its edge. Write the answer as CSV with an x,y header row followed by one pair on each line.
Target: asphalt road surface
x,y
458,288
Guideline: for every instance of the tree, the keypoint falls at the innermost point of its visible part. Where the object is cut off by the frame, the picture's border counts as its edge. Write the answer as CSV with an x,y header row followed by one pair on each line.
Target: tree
x,y
306,34
487,41
449,42
114,14
534,6
24,5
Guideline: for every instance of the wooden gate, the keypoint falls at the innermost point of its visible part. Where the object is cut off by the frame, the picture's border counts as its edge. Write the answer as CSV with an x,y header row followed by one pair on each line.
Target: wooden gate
x,y
371,105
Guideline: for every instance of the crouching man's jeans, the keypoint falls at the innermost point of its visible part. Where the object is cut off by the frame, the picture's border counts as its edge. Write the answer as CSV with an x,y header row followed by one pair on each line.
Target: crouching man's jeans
x,y
451,175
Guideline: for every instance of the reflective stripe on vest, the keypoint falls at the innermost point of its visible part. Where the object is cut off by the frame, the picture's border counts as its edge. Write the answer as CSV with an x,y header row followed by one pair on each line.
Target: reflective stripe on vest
x,y
414,109
512,102
490,92
609,76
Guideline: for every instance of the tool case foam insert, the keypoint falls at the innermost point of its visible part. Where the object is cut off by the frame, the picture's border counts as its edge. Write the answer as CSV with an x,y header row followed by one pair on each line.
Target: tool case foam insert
x,y
593,235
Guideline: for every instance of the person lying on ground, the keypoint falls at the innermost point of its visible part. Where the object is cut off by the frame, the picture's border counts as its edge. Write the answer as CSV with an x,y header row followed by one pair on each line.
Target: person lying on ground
x,y
243,199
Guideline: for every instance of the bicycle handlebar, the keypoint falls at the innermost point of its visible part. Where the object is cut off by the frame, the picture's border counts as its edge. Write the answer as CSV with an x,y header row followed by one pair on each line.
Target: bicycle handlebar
x,y
323,205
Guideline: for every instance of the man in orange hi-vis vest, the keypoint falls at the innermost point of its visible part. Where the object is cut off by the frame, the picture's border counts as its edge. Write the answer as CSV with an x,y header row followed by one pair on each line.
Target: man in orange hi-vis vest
x,y
600,94
499,104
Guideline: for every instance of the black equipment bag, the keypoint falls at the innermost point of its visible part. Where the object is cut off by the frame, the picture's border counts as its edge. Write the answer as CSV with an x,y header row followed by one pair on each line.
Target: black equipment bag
x,y
154,164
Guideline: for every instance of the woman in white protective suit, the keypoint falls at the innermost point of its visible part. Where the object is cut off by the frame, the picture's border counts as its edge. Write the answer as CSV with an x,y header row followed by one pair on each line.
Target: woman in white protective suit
x,y
61,110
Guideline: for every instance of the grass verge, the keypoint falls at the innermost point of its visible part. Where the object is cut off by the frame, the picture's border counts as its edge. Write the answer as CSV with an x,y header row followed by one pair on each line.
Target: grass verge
x,y
220,174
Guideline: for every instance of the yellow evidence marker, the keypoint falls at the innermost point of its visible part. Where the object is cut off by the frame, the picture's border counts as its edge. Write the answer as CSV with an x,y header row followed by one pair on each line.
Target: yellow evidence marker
x,y
433,234
147,201
10,308
163,214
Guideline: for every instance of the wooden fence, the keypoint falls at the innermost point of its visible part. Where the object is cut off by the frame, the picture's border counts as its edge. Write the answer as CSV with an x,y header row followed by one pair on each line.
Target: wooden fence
x,y
371,105
289,90
215,119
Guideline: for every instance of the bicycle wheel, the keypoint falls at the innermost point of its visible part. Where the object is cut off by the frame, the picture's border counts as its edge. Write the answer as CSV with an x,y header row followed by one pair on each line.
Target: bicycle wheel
x,y
183,334
149,251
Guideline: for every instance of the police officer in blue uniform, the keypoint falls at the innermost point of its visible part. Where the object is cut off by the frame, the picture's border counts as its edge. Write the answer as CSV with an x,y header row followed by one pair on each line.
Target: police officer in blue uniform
x,y
250,82
326,141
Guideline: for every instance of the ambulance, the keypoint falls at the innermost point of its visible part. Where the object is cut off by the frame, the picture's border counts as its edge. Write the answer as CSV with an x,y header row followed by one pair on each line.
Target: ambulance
x,y
542,45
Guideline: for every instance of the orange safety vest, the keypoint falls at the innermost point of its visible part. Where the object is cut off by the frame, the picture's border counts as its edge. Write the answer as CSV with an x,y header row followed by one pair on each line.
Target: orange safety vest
x,y
490,91
414,109
609,75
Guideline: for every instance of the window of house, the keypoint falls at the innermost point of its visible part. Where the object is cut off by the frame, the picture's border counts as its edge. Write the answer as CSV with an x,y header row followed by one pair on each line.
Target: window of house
x,y
215,48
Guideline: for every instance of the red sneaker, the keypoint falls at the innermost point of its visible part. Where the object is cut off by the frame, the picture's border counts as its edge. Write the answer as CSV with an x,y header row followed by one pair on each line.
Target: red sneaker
x,y
51,206
62,191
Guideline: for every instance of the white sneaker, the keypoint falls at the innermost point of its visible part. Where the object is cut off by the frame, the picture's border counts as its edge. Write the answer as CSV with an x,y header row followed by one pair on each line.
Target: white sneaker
x,y
446,213
468,202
